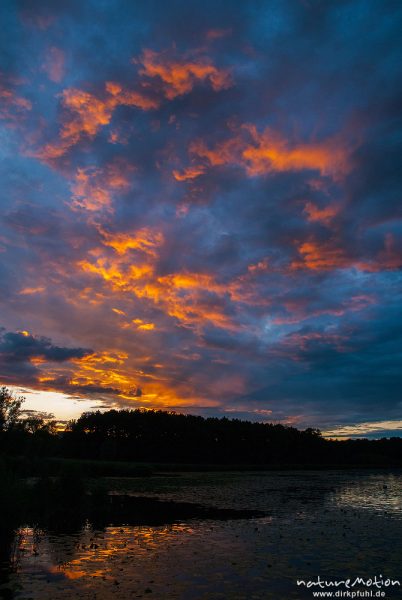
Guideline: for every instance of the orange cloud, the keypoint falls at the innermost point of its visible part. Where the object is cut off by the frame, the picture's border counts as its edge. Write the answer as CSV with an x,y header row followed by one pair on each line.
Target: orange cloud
x,y
89,360
320,257
88,113
31,290
88,195
179,76
85,114
144,326
261,153
261,266
320,215
123,97
128,263
180,296
189,173
272,152
163,394
54,64
325,256
93,187
134,380
192,298
184,297
105,370
12,105
146,240
120,376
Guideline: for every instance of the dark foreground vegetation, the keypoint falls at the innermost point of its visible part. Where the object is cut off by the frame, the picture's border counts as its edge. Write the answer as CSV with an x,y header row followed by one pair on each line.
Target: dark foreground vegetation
x,y
133,442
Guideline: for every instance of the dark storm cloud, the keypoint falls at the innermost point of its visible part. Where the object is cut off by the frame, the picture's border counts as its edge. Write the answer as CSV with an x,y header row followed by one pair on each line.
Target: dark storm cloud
x,y
22,357
22,346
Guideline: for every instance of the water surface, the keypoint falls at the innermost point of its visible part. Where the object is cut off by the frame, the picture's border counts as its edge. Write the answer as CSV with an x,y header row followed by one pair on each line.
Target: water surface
x,y
333,524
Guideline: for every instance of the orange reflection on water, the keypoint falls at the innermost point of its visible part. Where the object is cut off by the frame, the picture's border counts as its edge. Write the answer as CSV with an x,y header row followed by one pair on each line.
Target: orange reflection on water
x,y
91,555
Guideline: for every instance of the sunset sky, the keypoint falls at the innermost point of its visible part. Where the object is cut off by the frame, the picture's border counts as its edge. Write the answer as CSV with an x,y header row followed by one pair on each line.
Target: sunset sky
x,y
201,209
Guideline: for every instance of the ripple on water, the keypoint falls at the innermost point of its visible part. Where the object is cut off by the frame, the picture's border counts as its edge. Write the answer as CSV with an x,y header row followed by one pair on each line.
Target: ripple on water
x,y
332,523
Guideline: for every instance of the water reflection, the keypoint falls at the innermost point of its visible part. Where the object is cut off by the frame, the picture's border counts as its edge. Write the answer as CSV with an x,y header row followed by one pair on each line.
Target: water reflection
x,y
373,493
332,523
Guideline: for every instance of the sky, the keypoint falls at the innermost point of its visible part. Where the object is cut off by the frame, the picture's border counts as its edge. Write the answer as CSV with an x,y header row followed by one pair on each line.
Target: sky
x,y
201,210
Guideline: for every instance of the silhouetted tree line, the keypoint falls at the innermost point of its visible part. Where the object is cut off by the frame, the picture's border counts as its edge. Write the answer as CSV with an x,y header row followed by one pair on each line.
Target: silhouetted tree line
x,y
167,437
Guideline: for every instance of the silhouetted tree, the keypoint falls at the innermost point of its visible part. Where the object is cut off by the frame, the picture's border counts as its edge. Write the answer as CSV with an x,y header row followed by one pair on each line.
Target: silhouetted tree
x,y
35,425
144,435
155,436
10,408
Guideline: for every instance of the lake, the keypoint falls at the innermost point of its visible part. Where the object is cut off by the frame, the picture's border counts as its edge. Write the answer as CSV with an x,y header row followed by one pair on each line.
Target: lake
x,y
302,524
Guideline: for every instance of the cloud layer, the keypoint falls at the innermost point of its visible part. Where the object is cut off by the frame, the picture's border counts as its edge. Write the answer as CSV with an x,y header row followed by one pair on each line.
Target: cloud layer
x,y
201,207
